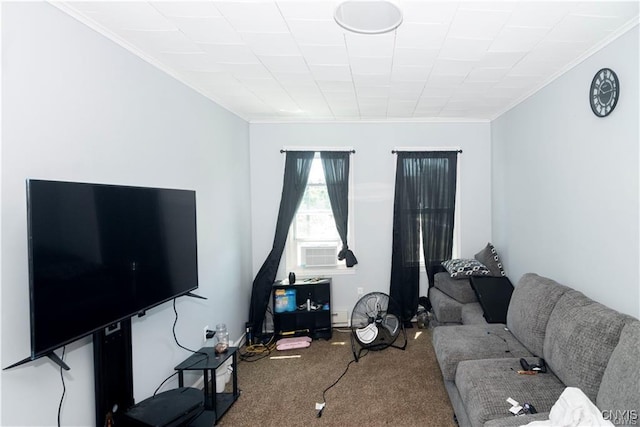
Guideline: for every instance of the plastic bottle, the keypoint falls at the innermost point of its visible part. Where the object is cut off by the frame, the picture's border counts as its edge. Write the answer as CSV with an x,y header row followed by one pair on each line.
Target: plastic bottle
x,y
223,338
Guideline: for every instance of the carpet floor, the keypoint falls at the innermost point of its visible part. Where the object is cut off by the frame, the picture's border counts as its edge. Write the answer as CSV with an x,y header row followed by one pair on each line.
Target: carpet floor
x,y
387,387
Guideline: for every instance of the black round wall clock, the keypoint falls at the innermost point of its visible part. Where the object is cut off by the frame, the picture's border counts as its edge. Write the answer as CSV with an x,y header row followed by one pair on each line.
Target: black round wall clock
x,y
604,92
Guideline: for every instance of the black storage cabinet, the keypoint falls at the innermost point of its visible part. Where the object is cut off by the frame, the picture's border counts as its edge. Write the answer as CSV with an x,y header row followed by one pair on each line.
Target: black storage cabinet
x,y
314,322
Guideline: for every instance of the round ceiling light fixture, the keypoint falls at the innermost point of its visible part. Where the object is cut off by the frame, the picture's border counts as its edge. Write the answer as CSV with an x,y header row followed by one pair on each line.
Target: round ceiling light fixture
x,y
368,16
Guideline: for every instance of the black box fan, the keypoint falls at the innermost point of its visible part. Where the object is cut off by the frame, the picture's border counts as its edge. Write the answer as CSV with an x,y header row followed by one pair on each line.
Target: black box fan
x,y
376,324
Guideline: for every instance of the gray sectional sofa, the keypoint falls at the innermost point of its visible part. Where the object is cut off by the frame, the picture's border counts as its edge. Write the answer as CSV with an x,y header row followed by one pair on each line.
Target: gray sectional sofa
x,y
453,299
454,302
583,343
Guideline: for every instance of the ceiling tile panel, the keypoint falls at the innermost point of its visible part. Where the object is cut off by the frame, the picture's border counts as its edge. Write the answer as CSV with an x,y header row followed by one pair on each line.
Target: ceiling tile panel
x,y
617,12
285,64
534,68
336,86
208,30
288,59
300,80
262,85
539,14
518,39
341,73
254,16
271,43
360,45
580,28
341,97
445,81
439,91
557,51
432,102
404,73
318,32
308,9
372,91
464,49
452,67
368,65
486,74
421,36
229,53
247,71
415,56
416,11
325,54
187,9
477,23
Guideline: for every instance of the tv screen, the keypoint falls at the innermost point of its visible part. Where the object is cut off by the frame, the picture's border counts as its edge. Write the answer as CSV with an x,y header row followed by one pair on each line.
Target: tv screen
x,y
102,253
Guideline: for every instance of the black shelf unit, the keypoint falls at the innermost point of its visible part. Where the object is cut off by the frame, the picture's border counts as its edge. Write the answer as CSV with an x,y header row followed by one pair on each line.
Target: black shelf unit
x,y
314,322
215,404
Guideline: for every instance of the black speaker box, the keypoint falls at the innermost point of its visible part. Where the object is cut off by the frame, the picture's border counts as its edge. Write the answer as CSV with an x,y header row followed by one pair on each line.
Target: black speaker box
x,y
171,408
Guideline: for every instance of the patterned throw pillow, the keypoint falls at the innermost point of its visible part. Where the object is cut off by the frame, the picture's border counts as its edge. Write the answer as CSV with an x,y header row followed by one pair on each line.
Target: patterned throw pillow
x,y
464,268
489,257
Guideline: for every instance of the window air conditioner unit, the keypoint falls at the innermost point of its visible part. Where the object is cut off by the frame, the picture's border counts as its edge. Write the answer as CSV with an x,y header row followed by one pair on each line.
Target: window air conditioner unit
x,y
319,256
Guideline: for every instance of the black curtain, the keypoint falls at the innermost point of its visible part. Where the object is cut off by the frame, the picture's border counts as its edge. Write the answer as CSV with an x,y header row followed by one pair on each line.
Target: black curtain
x,y
296,174
336,174
425,194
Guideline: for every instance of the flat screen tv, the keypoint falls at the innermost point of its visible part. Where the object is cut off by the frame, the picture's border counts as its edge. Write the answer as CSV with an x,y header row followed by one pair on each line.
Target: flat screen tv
x,y
99,254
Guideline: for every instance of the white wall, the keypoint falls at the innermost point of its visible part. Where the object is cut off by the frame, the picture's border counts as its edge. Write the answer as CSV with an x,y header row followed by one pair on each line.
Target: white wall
x,y
78,107
373,167
565,183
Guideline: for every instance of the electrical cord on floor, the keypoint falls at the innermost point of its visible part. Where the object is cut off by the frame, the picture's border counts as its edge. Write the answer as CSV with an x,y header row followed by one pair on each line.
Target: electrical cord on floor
x,y
64,387
324,392
255,352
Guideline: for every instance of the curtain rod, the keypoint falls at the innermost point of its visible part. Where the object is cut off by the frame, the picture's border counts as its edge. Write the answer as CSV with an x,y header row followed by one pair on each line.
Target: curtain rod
x,y
347,151
398,151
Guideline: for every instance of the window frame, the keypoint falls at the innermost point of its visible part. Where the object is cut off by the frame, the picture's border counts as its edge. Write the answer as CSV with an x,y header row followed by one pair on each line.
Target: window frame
x,y
291,247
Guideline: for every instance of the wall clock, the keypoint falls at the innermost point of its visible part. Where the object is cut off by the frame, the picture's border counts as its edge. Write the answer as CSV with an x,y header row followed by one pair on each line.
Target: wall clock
x,y
604,92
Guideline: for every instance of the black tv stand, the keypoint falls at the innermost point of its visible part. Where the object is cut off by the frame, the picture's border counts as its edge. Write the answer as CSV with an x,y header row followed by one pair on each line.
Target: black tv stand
x,y
113,371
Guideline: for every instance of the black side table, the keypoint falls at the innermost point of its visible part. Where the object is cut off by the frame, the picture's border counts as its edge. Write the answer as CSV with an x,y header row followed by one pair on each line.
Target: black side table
x,y
216,403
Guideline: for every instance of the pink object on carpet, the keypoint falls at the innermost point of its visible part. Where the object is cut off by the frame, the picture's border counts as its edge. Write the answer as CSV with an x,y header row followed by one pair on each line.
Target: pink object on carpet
x,y
292,343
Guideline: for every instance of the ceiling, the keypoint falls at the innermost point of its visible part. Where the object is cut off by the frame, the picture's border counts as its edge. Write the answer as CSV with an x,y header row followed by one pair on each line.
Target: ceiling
x,y
289,60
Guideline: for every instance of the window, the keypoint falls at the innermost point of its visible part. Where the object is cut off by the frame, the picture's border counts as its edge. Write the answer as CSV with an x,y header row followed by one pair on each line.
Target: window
x,y
313,242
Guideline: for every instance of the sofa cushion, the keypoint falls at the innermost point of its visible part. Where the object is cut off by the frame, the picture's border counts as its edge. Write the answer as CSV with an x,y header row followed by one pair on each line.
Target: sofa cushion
x,y
520,420
458,289
581,335
531,304
484,386
445,308
472,314
489,257
464,268
454,344
620,385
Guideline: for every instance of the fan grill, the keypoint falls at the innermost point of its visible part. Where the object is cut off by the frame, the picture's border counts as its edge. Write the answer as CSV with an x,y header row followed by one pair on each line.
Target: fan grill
x,y
375,323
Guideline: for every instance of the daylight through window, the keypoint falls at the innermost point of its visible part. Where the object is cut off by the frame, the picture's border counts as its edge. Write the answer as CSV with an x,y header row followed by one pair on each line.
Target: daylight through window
x,y
313,241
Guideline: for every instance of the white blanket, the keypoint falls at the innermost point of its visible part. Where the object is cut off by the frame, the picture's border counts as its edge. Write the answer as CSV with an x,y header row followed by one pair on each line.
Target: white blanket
x,y
573,409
